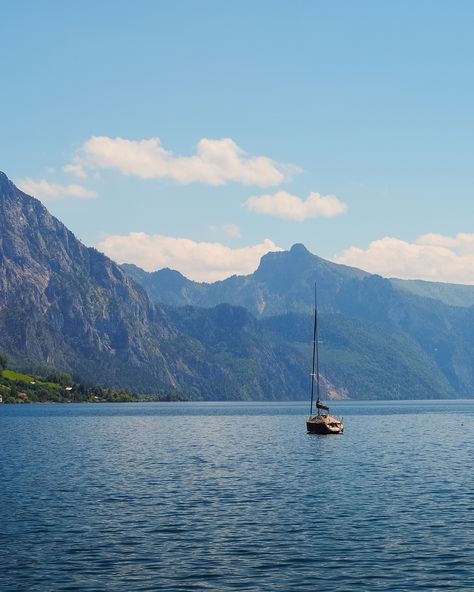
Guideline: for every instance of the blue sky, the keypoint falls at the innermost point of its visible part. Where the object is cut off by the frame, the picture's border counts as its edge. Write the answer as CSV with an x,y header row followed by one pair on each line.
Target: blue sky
x,y
371,101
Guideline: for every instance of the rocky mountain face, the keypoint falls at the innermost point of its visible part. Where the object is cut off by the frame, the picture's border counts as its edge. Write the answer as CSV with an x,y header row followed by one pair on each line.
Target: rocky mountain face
x,y
439,335
68,307
283,282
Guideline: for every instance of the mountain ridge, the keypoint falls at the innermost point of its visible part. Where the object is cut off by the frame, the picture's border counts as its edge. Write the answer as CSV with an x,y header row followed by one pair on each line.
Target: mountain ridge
x,y
284,283
69,307
458,295
66,306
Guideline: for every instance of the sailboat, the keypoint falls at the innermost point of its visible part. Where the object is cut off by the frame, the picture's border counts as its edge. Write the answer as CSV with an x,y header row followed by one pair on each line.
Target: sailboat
x,y
322,423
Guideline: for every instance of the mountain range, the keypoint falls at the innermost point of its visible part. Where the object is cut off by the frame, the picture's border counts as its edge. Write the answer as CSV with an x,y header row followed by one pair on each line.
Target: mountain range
x,y
68,307
432,321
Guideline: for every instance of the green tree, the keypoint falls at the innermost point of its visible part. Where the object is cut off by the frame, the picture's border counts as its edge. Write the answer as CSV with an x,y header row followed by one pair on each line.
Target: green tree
x,y
3,362
59,378
43,395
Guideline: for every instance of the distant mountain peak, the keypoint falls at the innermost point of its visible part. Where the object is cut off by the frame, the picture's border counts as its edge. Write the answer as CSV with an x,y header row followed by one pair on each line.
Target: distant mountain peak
x,y
291,263
299,249
168,272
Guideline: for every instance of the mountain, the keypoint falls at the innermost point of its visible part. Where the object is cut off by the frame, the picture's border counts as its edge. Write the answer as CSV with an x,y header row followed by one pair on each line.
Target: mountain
x,y
440,336
452,294
282,283
169,287
68,307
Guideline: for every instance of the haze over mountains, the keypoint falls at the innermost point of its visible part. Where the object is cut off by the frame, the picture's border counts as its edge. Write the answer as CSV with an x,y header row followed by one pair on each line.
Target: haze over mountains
x,y
68,307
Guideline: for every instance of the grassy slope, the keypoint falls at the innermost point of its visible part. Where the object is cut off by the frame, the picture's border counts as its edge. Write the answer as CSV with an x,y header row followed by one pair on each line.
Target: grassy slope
x,y
16,387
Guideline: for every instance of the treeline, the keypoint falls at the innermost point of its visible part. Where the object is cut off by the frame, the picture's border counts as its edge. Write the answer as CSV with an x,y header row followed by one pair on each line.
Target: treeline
x,y
53,387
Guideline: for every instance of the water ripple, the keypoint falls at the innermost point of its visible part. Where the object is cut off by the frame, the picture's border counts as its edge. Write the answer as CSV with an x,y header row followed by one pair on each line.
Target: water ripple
x,y
120,497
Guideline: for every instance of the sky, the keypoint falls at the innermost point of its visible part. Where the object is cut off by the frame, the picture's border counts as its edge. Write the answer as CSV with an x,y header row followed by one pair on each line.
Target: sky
x,y
201,135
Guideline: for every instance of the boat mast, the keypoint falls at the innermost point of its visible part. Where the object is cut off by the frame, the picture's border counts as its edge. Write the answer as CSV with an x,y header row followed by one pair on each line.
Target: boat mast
x,y
315,353
316,342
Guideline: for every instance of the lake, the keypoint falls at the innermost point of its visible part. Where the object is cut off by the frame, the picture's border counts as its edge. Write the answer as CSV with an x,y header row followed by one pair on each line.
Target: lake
x,y
236,496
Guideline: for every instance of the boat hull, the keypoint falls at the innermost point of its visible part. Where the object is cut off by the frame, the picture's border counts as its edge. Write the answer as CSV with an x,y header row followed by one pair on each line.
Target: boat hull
x,y
324,425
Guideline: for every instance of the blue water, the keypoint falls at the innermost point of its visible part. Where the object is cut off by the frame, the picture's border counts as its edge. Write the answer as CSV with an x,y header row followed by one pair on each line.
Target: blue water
x,y
221,497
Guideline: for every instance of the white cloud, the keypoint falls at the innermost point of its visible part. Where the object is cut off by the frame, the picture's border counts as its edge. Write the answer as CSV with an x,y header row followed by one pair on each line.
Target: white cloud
x,y
215,162
200,261
47,191
433,257
290,207
75,169
232,230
